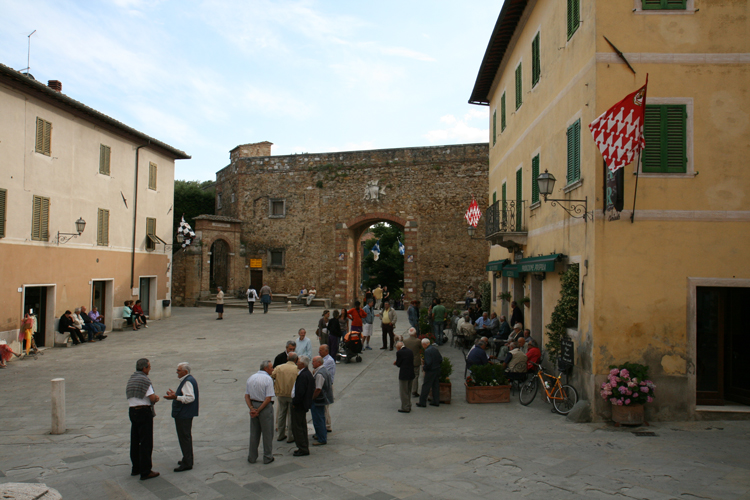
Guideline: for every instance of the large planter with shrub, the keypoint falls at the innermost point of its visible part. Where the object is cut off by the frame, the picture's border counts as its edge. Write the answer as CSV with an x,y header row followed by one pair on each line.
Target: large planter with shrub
x,y
446,369
628,388
487,384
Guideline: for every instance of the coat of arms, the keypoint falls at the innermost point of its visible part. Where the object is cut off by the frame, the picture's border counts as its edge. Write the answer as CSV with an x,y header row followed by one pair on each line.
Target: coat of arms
x,y
372,191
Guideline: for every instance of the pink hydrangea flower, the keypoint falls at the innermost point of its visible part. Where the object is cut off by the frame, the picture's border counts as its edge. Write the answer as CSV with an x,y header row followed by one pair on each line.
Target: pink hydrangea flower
x,y
649,399
627,401
619,402
624,373
644,389
614,371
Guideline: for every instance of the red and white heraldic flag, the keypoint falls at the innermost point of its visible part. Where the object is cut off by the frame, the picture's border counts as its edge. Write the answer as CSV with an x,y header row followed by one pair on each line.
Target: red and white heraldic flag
x,y
473,213
618,133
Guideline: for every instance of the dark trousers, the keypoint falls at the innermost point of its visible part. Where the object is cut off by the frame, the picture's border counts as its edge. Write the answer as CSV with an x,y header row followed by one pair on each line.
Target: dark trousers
x,y
250,306
388,333
299,428
431,382
265,305
91,330
76,335
141,440
333,345
184,428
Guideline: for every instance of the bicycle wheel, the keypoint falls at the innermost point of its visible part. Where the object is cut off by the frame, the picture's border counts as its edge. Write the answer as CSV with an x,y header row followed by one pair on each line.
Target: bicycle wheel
x,y
567,399
528,391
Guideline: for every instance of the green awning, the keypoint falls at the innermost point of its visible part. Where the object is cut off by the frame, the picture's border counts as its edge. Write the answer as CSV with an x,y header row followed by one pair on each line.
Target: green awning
x,y
544,263
511,271
497,265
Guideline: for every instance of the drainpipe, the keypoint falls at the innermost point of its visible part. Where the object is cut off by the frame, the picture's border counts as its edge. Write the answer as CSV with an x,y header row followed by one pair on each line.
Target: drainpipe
x,y
135,215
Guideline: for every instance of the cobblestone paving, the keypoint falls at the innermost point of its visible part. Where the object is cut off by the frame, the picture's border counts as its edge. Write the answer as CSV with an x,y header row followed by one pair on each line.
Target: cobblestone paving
x,y
456,451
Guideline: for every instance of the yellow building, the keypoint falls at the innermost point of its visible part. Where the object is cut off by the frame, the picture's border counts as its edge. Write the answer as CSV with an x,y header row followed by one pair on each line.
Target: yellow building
x,y
63,163
666,290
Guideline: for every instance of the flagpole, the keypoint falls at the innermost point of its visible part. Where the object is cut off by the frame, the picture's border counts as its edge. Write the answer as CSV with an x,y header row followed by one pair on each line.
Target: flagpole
x,y
635,193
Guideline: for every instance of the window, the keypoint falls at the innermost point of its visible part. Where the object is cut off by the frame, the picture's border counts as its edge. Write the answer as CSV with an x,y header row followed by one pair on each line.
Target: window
x,y
40,219
534,176
43,136
574,16
152,176
277,208
519,86
151,238
494,127
574,152
664,4
104,154
276,257
519,197
536,63
232,198
3,203
102,228
502,113
494,197
666,139
218,200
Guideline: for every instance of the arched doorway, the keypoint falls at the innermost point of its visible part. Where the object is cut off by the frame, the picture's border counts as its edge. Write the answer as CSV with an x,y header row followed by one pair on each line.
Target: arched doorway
x,y
219,272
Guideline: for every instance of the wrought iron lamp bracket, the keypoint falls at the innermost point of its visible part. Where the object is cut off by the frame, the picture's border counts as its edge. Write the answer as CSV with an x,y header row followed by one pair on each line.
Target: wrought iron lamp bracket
x,y
578,209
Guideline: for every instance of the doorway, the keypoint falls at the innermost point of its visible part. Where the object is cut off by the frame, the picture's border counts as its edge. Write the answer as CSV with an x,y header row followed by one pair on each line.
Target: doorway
x,y
722,344
219,271
256,279
35,303
147,295
103,299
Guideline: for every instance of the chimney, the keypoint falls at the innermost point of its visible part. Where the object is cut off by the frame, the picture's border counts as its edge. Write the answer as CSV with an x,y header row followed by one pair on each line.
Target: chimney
x,y
55,85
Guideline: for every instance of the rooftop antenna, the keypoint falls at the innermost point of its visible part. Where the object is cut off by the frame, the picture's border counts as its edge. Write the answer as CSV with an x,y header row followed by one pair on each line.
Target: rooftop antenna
x,y
28,54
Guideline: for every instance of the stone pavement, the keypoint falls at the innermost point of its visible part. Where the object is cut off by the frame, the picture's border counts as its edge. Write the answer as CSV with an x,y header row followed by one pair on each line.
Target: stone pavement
x,y
456,451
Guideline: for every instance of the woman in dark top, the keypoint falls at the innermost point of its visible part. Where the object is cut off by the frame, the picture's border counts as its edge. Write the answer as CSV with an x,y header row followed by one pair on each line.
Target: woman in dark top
x,y
334,334
323,327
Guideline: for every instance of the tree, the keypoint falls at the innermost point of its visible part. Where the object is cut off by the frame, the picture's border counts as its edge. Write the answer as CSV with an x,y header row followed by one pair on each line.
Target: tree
x,y
388,270
192,198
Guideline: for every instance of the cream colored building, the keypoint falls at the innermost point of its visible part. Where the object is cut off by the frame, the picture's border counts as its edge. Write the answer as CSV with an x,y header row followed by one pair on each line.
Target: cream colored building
x,y
61,161
668,289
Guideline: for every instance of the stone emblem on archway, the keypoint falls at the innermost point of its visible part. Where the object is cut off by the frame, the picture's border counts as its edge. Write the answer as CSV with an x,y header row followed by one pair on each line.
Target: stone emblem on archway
x,y
372,191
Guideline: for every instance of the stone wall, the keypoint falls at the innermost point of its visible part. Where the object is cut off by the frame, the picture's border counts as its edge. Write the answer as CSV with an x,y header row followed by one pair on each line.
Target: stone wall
x,y
330,199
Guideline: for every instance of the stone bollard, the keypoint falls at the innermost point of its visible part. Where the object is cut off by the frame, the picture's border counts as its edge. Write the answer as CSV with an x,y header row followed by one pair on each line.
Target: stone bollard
x,y
58,406
289,305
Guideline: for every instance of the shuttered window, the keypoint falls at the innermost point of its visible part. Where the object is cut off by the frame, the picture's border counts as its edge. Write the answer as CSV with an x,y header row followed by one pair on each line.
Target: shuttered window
x,y
664,4
3,205
152,176
519,86
502,113
666,139
43,136
534,175
102,228
574,16
574,152
536,62
494,127
519,196
151,239
104,154
40,219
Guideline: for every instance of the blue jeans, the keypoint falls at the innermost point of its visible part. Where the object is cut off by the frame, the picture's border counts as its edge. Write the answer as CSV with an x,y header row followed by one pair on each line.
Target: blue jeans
x,y
437,329
319,422
91,329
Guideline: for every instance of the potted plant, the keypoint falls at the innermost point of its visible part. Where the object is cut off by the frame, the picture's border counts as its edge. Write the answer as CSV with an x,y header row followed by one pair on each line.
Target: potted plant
x,y
506,296
446,369
526,301
628,388
487,384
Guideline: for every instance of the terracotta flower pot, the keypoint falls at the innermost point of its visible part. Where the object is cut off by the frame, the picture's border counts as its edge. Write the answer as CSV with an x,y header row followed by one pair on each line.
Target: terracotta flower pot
x,y
487,394
627,415
445,392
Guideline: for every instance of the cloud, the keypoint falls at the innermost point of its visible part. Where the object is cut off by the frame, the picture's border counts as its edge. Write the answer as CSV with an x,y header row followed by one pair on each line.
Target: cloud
x,y
455,129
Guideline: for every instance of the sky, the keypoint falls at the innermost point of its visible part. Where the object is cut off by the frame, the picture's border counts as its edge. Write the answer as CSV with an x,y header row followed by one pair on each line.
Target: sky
x,y
309,76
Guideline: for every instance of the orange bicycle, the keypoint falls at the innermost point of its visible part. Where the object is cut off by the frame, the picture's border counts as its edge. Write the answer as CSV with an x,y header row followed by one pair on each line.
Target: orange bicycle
x,y
562,396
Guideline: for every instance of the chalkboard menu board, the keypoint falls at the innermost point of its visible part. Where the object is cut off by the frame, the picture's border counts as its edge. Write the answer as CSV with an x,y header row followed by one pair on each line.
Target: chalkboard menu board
x,y
567,352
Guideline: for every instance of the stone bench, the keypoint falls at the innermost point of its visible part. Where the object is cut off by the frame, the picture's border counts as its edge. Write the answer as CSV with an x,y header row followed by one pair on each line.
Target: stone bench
x,y
118,324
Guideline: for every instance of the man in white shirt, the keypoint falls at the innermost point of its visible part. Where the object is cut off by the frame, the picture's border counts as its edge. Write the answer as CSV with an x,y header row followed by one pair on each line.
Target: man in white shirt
x,y
141,398
304,346
259,395
184,409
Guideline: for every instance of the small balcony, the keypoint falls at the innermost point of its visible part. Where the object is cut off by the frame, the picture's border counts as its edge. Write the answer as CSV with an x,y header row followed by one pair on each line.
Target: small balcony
x,y
505,224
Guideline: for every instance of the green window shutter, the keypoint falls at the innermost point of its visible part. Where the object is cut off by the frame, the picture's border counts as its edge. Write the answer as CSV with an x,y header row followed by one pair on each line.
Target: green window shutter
x,y
664,4
504,207
665,132
574,152
43,136
3,204
102,228
574,16
494,127
502,113
494,197
152,176
104,158
519,197
150,230
536,66
519,86
40,219
534,175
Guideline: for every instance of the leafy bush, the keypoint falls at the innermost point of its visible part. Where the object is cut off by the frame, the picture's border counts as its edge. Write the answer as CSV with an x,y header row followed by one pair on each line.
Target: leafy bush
x,y
565,312
628,385
424,324
446,369
485,294
490,374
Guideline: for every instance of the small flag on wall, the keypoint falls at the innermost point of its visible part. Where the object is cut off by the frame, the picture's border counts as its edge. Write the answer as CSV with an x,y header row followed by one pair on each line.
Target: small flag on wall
x,y
473,214
401,247
376,250
187,233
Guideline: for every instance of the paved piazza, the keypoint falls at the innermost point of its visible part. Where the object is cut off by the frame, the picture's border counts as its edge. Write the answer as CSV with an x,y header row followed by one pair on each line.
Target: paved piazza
x,y
456,451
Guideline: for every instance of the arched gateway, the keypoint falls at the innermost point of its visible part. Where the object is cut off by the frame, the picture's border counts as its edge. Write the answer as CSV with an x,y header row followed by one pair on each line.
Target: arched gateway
x,y
300,217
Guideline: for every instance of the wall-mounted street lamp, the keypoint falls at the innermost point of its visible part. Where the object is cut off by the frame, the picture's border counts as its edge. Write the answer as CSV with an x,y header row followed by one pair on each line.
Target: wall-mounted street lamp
x,y
66,237
472,231
578,208
180,238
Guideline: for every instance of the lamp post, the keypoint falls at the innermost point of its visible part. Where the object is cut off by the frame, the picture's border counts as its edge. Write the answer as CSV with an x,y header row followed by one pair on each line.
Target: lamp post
x,y
80,226
472,231
578,208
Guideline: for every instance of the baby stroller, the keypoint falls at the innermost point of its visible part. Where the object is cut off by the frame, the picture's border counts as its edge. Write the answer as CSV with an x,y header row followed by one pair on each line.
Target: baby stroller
x,y
351,347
